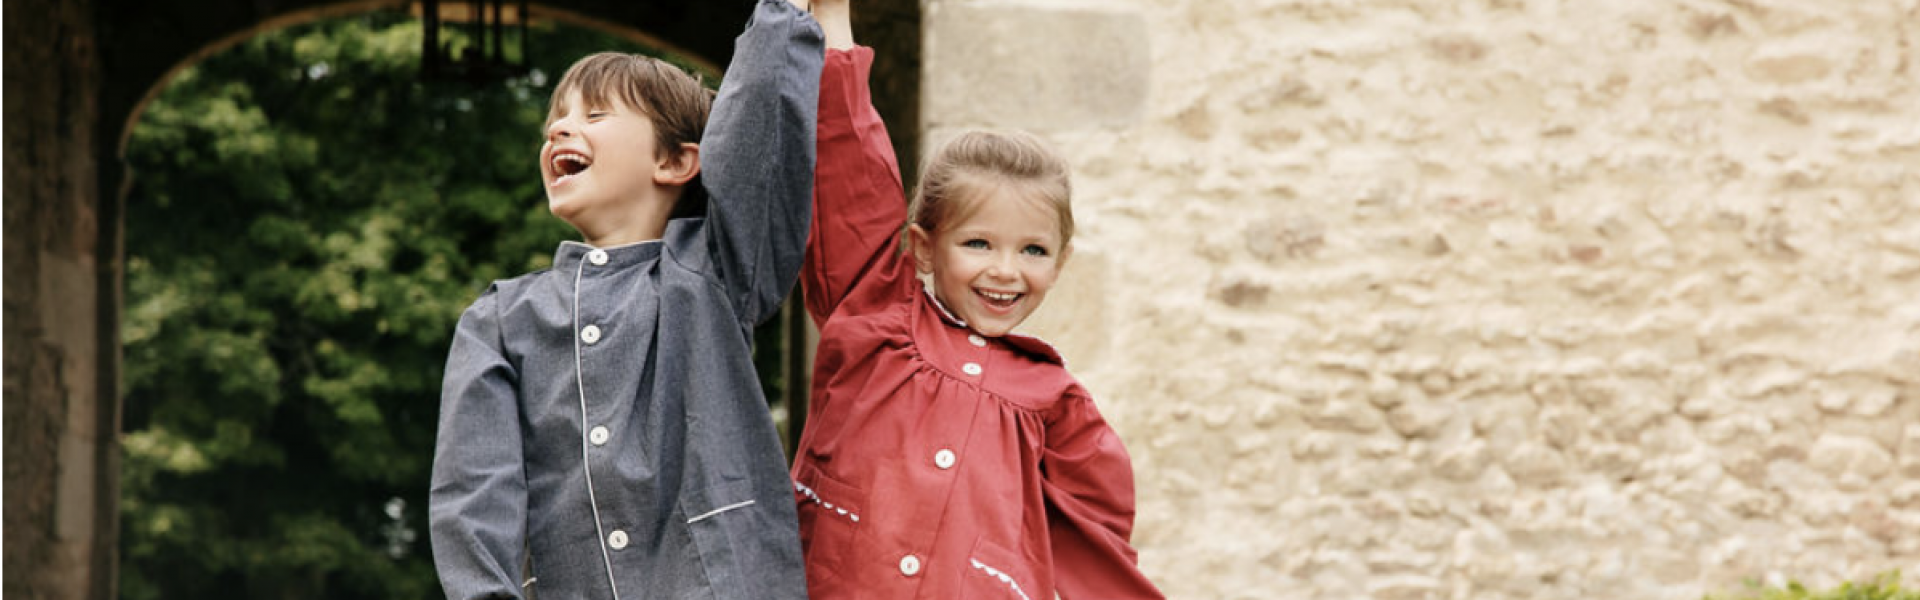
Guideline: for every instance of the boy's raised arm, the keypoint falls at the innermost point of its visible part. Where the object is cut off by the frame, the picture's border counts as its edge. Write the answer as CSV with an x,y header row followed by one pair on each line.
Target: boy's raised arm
x,y
758,155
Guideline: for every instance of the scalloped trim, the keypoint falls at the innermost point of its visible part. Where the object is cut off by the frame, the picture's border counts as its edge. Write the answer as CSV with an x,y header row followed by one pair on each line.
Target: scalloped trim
x,y
1002,576
808,492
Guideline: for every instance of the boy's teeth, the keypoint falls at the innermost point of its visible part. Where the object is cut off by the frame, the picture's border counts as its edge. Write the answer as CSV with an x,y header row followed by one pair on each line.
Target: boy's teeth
x,y
1000,297
560,162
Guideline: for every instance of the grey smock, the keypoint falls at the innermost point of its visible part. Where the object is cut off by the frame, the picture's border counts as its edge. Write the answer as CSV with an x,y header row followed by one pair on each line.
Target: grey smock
x,y
600,421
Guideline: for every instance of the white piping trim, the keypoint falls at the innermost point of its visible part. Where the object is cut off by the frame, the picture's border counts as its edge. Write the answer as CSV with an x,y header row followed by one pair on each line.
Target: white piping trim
x,y
529,582
803,489
955,319
709,514
586,460
1002,576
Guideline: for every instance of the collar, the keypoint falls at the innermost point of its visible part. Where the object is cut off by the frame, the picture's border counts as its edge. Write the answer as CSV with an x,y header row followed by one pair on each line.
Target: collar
x,y
1026,343
571,253
945,315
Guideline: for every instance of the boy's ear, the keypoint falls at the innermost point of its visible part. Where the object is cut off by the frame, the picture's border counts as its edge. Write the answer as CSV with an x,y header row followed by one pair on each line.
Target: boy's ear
x,y
1066,252
921,244
678,168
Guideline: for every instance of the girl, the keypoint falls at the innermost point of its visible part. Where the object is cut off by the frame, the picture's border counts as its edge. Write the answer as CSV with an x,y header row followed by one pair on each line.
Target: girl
x,y
945,457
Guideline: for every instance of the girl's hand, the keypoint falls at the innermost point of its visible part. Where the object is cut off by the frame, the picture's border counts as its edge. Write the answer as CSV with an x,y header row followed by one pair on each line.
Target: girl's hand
x,y
836,20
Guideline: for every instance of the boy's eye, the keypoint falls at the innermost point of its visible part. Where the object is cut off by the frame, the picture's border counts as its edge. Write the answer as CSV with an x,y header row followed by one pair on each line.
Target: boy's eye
x,y
975,244
596,115
1034,250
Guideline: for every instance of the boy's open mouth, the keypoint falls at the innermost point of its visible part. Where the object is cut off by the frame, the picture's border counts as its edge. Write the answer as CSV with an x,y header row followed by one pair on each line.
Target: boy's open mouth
x,y
999,300
568,164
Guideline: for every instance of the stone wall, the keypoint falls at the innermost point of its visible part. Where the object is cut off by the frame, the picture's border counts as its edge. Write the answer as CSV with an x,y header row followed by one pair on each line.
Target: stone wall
x,y
53,385
1483,299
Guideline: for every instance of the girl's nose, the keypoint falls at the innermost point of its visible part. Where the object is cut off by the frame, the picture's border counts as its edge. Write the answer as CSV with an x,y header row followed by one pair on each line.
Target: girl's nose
x,y
1001,267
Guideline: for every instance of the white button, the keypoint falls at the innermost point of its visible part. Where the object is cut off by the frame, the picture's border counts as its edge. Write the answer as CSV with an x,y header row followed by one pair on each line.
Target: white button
x,y
971,368
590,334
910,565
617,539
976,340
943,459
597,257
598,436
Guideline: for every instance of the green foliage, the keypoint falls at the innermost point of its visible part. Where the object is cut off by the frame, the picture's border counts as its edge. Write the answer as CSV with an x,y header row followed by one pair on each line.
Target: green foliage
x,y
307,221
1884,587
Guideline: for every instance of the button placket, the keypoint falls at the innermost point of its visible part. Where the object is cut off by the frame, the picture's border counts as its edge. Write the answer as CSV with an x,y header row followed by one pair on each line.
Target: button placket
x,y
617,540
976,340
590,334
944,459
598,257
598,436
910,565
971,368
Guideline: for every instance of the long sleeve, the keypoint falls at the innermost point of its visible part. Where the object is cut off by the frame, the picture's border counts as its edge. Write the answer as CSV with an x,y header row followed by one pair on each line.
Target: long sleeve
x,y
477,508
859,202
1088,483
757,157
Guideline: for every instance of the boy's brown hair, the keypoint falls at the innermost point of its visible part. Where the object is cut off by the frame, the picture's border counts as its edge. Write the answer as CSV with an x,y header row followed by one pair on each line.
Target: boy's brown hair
x,y
677,103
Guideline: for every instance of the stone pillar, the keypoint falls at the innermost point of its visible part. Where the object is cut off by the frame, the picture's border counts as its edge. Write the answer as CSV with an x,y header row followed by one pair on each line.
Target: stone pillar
x,y
61,474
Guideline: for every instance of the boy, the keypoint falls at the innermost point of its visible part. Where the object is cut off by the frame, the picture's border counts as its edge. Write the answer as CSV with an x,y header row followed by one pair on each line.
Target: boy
x,y
601,427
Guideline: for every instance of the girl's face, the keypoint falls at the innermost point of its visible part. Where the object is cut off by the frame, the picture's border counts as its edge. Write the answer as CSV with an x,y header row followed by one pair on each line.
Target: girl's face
x,y
993,267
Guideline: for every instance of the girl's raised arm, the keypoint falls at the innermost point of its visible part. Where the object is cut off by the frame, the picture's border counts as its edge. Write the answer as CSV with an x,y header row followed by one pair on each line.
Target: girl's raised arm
x,y
859,204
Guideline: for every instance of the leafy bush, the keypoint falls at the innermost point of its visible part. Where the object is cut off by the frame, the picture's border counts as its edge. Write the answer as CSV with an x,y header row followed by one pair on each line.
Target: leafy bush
x,y
1884,587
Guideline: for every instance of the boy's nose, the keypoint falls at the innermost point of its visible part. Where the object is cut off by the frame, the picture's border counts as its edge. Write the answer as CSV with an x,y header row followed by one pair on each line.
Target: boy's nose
x,y
560,129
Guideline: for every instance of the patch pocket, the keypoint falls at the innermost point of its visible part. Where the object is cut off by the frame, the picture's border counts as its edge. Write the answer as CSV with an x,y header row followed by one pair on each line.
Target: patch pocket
x,y
996,574
830,514
724,521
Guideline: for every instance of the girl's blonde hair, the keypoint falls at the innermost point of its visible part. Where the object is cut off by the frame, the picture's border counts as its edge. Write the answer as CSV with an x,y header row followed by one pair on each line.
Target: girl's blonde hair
x,y
976,163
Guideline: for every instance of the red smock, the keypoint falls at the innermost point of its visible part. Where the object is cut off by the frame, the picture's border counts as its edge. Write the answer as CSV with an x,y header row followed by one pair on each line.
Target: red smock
x,y
937,463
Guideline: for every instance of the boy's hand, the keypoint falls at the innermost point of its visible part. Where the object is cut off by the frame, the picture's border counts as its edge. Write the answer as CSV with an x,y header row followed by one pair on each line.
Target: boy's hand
x,y
836,21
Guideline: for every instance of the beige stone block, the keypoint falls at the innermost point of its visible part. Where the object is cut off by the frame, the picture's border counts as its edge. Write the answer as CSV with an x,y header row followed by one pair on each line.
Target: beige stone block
x,y
1535,464
1419,420
1405,587
1462,463
1344,415
1841,456
1075,316
1034,68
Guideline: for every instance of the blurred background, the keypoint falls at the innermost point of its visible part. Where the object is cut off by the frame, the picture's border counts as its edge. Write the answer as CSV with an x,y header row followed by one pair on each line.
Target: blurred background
x,y
1395,299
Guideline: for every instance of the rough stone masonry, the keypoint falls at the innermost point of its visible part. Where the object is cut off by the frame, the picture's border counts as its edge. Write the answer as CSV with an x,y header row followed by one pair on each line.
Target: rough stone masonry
x,y
1483,299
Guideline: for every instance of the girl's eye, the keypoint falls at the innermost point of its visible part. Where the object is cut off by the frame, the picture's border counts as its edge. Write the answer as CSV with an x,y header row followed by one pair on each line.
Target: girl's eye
x,y
595,115
1034,250
975,244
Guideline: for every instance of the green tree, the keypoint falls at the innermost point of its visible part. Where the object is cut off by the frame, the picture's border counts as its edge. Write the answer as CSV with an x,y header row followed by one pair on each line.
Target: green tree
x,y
307,221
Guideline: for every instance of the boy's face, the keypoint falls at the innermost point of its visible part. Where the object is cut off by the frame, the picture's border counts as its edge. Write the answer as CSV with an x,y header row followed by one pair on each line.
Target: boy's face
x,y
993,267
596,159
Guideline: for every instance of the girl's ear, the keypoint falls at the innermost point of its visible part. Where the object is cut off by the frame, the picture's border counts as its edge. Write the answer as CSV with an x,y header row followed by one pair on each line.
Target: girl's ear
x,y
921,244
1066,252
678,168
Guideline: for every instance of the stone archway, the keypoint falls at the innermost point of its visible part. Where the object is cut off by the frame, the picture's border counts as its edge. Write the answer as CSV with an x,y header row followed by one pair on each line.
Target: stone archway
x,y
78,73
